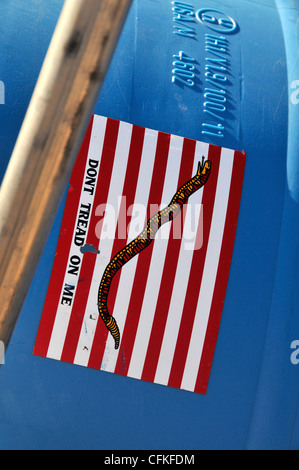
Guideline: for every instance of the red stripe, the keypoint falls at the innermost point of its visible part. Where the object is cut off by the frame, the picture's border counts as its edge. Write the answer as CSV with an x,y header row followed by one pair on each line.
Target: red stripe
x,y
89,259
222,274
195,275
129,190
169,272
144,260
63,249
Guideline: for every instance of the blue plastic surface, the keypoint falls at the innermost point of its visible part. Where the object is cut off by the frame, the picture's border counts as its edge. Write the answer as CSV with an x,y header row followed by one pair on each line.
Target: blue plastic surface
x,y
252,398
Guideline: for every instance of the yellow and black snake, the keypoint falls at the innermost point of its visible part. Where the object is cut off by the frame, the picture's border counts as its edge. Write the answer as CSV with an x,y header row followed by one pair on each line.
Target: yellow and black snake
x,y
143,240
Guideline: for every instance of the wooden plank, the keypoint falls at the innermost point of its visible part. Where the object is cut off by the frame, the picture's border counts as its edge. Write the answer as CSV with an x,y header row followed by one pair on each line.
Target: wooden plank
x,y
44,154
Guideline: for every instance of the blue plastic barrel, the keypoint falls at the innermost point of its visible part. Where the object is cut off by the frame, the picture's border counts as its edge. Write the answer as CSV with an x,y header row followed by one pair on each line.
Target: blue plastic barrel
x,y
246,51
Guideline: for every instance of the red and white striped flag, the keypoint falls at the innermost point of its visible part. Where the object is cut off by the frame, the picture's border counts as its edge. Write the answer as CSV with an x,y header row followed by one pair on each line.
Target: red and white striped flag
x,y
168,299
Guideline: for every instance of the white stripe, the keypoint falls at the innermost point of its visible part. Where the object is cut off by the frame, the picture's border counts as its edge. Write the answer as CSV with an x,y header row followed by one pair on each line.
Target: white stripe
x,y
127,273
90,320
63,313
157,263
179,288
210,271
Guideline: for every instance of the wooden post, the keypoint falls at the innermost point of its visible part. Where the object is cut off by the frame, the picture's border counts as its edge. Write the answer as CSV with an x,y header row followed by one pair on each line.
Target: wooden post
x,y
53,129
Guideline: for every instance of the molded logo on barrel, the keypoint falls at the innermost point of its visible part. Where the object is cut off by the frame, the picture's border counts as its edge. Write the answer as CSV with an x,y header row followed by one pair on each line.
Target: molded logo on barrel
x,y
216,20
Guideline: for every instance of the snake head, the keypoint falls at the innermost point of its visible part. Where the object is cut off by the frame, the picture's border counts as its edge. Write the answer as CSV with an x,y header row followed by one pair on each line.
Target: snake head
x,y
204,167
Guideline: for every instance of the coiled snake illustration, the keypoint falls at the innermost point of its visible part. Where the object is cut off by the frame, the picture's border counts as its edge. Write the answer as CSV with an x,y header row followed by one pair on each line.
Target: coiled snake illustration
x,y
143,240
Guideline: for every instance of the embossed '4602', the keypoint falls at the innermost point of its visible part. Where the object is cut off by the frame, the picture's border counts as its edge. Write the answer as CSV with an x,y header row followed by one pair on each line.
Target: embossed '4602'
x,y
184,71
